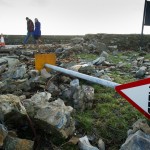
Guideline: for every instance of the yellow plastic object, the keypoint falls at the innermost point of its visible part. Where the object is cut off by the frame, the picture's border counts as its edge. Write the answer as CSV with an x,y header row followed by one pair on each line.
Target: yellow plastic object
x,y
42,59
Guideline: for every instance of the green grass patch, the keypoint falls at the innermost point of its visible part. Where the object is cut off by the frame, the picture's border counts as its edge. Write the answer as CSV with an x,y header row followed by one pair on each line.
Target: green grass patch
x,y
86,119
87,56
121,79
115,58
112,116
147,56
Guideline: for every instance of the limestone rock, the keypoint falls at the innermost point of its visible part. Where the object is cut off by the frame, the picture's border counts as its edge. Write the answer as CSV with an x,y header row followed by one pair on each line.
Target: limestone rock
x,y
84,144
45,74
12,61
3,61
98,61
137,141
8,103
77,40
13,143
141,72
104,54
141,125
57,115
20,72
3,134
101,144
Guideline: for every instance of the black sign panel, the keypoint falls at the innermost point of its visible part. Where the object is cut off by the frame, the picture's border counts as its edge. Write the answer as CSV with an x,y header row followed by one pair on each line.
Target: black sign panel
x,y
147,13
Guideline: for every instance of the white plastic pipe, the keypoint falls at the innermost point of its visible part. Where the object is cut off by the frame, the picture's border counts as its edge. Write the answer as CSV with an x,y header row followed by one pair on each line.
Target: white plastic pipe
x,y
83,76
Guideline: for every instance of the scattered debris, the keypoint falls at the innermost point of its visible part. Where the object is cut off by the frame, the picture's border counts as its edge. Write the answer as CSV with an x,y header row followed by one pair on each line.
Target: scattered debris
x,y
36,106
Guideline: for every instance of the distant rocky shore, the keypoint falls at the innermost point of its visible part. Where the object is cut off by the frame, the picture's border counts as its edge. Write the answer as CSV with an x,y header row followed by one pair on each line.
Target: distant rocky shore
x,y
123,41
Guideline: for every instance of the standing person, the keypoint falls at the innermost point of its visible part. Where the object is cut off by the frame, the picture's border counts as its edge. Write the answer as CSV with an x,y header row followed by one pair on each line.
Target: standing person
x,y
30,30
37,31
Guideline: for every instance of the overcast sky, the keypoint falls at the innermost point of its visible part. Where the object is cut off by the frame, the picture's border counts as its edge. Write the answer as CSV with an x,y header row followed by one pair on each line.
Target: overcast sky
x,y
73,17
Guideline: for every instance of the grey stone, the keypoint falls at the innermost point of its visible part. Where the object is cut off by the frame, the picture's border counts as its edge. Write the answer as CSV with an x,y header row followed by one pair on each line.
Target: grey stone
x,y
90,69
91,47
27,53
11,85
59,50
66,94
77,67
88,93
104,54
106,77
84,144
3,68
113,47
101,47
141,72
37,101
33,73
106,63
77,40
8,103
20,72
65,79
115,52
141,124
77,48
134,63
38,81
101,144
121,64
12,62
137,141
3,134
81,96
57,115
140,60
146,63
22,84
14,143
98,61
3,61
52,88
99,73
45,74
74,83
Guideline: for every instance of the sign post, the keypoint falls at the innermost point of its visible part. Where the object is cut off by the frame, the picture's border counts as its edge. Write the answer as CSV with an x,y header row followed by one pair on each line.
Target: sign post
x,y
146,20
144,13
138,94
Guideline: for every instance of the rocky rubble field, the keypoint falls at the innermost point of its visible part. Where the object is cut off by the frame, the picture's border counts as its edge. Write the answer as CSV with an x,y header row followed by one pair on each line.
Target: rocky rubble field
x,y
44,110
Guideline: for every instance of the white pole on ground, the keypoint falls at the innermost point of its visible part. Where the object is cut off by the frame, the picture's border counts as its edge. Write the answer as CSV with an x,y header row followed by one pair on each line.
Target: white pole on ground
x,y
83,76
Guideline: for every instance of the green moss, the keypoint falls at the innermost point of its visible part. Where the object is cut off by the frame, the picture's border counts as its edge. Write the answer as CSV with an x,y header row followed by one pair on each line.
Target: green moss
x,y
69,147
147,56
86,119
115,59
114,119
112,116
87,56
121,79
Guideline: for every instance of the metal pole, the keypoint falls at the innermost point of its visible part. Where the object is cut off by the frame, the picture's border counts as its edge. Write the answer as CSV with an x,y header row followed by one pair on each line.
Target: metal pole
x,y
83,76
141,41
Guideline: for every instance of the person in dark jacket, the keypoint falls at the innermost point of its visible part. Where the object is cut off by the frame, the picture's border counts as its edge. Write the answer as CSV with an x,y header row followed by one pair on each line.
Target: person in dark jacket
x,y
37,31
30,30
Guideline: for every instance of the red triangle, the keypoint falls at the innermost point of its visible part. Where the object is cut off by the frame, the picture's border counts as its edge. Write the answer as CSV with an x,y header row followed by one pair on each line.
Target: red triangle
x,y
119,89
